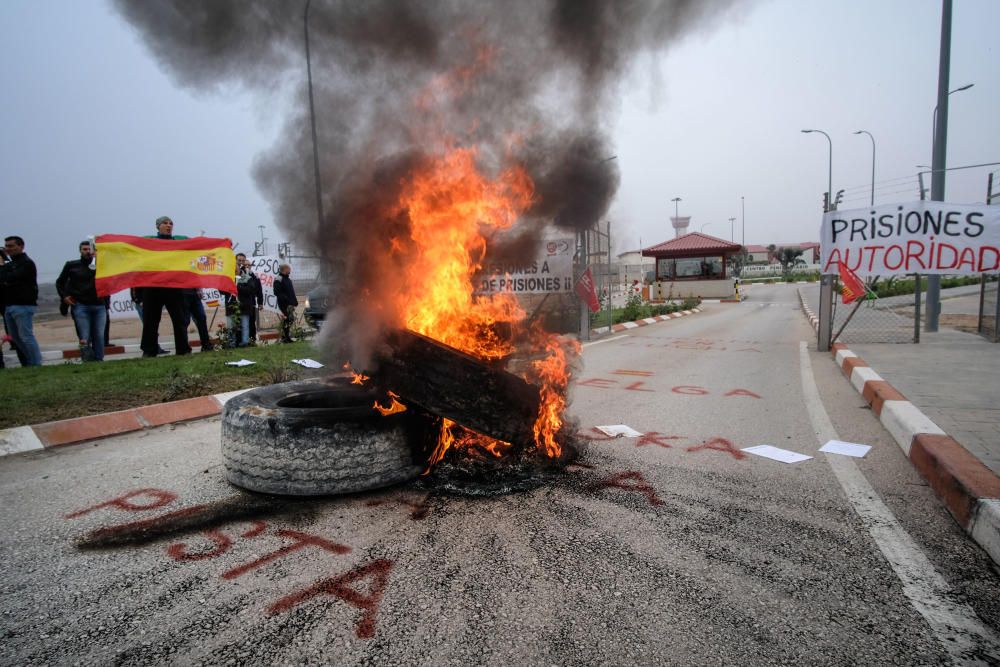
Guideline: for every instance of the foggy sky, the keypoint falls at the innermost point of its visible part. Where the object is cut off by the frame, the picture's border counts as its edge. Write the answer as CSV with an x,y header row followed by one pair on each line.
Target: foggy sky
x,y
98,138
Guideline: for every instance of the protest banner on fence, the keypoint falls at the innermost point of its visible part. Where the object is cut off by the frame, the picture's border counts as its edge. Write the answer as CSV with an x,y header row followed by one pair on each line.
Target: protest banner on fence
x,y
925,237
550,270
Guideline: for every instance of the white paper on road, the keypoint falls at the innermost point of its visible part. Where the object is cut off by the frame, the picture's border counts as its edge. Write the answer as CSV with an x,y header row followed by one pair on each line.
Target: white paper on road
x,y
776,453
241,362
845,448
308,363
619,431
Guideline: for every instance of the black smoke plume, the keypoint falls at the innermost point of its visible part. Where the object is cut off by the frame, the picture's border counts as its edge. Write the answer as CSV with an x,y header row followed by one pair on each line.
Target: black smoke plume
x,y
526,81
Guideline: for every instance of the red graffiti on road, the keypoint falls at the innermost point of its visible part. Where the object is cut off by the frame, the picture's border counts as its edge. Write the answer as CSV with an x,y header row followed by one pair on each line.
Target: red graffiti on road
x,y
302,540
692,344
654,438
220,542
124,502
719,445
685,389
339,588
631,480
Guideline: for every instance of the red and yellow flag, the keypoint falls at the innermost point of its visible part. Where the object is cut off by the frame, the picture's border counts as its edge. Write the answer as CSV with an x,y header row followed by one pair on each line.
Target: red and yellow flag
x,y
854,287
135,261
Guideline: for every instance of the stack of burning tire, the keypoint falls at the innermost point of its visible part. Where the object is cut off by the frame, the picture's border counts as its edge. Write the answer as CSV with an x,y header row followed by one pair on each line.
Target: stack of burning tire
x,y
316,438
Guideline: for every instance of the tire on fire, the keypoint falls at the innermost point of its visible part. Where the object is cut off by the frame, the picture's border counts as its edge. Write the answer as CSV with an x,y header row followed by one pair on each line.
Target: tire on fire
x,y
316,438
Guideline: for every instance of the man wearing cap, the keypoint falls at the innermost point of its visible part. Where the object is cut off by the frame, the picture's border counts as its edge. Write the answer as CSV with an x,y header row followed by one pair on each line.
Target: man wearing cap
x,y
155,298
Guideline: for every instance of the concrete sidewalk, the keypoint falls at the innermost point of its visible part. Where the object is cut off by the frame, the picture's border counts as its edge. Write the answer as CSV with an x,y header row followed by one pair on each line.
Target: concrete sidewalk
x,y
940,399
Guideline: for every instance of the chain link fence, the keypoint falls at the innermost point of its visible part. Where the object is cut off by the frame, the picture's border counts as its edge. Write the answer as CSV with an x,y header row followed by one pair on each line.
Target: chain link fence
x,y
888,320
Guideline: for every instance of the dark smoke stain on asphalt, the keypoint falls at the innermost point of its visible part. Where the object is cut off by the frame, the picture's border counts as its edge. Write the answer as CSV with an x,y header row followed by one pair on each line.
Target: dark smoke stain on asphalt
x,y
242,506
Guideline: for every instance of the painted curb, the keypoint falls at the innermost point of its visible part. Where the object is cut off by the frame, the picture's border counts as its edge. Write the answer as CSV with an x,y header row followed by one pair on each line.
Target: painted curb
x,y
624,326
968,489
84,429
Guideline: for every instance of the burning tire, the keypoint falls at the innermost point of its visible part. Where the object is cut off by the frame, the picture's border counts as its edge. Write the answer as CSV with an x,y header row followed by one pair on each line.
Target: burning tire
x,y
309,438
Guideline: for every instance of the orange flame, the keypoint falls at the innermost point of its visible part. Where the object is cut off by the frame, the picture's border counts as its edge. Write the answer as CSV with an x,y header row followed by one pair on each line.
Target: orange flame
x,y
453,209
393,407
356,378
454,435
553,376
451,205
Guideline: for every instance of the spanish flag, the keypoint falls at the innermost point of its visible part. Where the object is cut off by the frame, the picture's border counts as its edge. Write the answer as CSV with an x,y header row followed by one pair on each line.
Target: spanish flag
x,y
135,261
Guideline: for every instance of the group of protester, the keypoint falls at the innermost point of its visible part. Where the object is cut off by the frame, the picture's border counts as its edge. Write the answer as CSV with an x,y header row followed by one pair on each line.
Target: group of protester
x,y
91,313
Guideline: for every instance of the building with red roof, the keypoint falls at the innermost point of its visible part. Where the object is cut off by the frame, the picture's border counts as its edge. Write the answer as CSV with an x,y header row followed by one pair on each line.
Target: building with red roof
x,y
694,264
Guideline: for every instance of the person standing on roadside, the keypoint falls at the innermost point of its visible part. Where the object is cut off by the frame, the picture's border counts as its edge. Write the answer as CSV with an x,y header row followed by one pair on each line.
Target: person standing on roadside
x,y
19,286
251,297
250,294
77,290
284,290
154,299
194,309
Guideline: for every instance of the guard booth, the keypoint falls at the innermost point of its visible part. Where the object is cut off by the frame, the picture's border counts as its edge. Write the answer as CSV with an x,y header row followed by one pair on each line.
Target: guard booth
x,y
692,265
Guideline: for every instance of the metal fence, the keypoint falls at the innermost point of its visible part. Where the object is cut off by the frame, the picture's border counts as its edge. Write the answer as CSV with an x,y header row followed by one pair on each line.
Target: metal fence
x,y
989,308
888,320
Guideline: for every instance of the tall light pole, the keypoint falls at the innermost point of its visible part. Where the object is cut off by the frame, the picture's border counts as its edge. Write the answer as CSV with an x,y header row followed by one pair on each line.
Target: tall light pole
x,y
873,161
825,328
312,120
732,237
743,212
675,200
829,186
950,92
940,155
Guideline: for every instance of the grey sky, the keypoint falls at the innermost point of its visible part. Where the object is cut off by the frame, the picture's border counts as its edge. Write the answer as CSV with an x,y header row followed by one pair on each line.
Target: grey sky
x,y
97,139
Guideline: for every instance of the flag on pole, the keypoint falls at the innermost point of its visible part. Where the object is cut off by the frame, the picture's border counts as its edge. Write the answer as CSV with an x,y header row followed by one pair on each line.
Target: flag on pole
x,y
585,290
135,261
854,287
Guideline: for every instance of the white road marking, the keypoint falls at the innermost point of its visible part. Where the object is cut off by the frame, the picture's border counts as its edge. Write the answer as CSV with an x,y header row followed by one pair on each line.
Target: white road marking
x,y
606,340
955,624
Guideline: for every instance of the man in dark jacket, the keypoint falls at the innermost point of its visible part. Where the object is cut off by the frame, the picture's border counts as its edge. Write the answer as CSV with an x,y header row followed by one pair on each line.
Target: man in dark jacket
x,y
19,286
284,290
250,295
77,290
155,298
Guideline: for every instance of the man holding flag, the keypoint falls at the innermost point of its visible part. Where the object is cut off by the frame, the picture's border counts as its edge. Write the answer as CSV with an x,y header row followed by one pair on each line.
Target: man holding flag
x,y
162,266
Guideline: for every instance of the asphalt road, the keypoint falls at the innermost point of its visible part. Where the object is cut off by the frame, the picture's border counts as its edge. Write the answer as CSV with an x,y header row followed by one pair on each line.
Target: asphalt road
x,y
674,548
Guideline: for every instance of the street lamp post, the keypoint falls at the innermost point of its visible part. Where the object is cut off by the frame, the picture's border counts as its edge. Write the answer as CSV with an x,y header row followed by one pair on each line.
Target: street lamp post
x,y
829,186
934,124
940,154
732,236
825,328
743,224
873,161
675,200
312,120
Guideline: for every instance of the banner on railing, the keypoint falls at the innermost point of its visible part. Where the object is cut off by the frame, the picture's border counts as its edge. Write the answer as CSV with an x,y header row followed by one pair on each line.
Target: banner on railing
x,y
926,237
